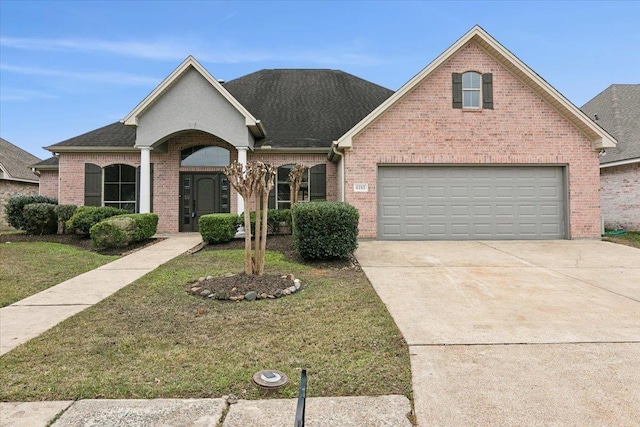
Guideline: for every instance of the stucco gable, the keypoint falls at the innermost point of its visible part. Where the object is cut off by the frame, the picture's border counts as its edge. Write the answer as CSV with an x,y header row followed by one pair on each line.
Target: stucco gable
x,y
597,136
195,98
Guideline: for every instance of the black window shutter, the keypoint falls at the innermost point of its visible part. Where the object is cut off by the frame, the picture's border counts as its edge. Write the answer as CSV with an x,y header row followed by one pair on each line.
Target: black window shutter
x,y
92,185
487,91
138,189
456,79
271,203
318,184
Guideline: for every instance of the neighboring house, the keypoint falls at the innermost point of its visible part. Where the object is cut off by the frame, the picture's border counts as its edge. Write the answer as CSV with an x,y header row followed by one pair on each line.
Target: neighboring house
x,y
475,146
16,176
617,110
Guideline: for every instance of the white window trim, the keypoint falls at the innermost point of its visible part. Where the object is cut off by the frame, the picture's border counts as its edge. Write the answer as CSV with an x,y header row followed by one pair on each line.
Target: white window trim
x,y
135,200
479,90
278,183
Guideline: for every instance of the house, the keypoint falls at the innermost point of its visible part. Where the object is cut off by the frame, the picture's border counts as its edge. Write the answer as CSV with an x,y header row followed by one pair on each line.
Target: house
x,y
475,146
16,176
617,110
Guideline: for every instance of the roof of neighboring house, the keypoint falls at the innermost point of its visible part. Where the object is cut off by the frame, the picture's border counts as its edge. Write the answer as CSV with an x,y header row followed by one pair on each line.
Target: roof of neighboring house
x,y
115,135
16,162
305,108
48,164
618,110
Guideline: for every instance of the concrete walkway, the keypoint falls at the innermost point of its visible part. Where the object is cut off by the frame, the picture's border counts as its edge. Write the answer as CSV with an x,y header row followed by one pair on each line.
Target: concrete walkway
x,y
28,318
515,332
379,411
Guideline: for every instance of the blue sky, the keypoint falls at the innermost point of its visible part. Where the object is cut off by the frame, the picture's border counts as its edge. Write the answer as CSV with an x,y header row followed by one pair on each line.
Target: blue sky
x,y
69,67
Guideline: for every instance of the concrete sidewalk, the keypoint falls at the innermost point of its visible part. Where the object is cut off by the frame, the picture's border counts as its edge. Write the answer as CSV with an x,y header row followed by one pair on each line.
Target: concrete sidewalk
x,y
379,411
28,318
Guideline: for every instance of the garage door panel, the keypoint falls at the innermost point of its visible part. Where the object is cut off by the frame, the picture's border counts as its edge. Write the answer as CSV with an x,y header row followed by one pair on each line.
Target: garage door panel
x,y
471,202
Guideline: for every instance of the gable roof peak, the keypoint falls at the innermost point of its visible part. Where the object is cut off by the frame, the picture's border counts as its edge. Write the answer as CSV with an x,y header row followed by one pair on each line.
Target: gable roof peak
x,y
190,62
598,137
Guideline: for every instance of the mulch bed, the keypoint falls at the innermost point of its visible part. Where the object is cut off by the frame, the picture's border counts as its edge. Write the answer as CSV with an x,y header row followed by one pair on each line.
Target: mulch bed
x,y
76,240
237,287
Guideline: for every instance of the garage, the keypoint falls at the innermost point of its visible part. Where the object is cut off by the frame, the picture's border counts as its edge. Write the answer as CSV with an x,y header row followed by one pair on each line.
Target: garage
x,y
471,202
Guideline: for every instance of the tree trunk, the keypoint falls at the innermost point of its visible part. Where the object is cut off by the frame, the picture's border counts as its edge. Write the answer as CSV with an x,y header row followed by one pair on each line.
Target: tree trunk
x,y
248,267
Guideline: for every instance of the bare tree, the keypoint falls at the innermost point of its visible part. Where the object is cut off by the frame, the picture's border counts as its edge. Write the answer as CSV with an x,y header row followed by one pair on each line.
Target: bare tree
x,y
295,181
256,179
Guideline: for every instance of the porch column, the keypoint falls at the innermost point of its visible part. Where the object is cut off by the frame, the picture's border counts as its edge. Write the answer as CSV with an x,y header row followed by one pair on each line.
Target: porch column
x,y
145,179
242,159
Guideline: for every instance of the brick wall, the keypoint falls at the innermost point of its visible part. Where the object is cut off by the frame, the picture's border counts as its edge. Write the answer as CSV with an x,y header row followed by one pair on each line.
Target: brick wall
x,y
10,189
620,196
166,184
49,183
423,128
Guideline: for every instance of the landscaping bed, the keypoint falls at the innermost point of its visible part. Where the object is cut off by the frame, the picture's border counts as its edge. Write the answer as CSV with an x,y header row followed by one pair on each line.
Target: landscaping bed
x,y
630,238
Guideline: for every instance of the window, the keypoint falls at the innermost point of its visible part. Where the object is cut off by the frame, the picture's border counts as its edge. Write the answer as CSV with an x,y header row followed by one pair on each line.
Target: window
x,y
203,155
471,90
119,183
313,186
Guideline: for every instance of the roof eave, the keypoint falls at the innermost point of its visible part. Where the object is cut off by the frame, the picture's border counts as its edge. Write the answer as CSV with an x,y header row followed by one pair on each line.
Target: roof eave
x,y
620,163
80,149
292,150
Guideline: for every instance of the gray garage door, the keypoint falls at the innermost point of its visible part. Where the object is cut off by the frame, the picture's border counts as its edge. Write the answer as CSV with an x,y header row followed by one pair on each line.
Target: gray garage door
x,y
470,202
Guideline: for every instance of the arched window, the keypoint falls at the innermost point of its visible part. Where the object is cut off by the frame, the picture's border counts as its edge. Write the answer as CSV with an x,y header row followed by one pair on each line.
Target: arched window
x,y
471,84
205,155
120,187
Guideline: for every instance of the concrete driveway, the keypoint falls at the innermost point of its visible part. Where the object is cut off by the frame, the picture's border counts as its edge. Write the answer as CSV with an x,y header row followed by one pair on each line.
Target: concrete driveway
x,y
515,332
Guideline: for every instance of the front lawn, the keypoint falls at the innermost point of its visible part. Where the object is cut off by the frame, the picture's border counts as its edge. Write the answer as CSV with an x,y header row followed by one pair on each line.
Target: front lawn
x,y
152,339
27,268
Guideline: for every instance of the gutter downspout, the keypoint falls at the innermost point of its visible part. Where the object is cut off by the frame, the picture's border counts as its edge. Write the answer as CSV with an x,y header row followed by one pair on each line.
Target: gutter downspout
x,y
334,152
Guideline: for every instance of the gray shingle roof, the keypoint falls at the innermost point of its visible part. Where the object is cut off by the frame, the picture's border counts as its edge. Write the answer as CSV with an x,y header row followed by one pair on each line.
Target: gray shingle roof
x,y
16,161
618,110
299,108
113,135
306,108
50,163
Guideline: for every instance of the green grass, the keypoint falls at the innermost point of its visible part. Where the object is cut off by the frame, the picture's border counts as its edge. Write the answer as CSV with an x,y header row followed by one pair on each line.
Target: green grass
x,y
152,339
27,268
631,238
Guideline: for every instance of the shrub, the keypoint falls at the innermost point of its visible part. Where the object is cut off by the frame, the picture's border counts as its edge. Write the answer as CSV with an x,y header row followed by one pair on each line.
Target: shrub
x,y
325,230
121,230
274,218
218,228
40,218
64,214
15,205
86,217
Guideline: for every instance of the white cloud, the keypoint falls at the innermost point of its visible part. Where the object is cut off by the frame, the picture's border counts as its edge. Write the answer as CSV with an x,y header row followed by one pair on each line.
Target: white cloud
x,y
97,77
219,53
12,94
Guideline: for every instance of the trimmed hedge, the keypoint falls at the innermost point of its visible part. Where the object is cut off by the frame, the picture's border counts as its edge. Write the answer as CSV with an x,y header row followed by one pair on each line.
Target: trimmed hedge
x,y
86,217
40,218
15,205
274,218
64,214
325,230
121,230
218,228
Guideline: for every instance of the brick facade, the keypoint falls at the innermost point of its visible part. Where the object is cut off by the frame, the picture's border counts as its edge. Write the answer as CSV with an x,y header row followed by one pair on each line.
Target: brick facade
x,y
620,196
49,183
166,169
9,189
423,128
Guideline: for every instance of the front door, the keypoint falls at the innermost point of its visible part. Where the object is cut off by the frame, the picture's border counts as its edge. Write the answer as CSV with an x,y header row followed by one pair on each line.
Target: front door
x,y
201,194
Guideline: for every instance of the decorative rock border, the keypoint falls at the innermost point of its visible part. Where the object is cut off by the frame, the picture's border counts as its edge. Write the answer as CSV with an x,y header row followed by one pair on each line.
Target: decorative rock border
x,y
197,289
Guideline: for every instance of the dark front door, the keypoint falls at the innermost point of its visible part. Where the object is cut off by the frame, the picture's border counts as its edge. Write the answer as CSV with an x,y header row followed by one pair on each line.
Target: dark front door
x,y
201,194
